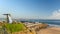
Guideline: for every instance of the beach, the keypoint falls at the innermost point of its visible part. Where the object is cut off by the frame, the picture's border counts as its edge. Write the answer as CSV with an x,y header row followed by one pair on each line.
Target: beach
x,y
42,30
50,30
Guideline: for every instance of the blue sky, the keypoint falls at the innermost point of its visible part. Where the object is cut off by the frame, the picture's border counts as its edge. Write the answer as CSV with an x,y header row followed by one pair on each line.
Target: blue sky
x,y
42,9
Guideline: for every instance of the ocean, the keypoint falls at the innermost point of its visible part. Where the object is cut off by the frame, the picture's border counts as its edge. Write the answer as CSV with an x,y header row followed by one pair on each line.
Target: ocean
x,y
51,22
55,23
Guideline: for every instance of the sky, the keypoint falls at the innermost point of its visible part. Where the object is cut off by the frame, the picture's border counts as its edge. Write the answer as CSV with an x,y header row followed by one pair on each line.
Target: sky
x,y
31,9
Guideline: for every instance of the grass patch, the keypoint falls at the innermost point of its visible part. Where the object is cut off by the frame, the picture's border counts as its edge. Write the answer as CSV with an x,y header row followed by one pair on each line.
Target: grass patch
x,y
14,27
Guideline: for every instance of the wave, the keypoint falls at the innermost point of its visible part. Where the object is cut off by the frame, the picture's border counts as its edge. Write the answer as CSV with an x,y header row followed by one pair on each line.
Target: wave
x,y
54,25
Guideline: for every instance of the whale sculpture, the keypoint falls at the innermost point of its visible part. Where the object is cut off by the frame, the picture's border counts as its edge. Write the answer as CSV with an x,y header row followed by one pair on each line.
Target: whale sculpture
x,y
9,19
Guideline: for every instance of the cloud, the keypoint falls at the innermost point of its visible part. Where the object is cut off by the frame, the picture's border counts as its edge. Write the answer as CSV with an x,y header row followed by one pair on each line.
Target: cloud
x,y
55,14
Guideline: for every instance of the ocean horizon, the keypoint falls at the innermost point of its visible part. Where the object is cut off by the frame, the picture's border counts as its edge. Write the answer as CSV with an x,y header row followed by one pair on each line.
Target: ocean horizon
x,y
51,22
48,21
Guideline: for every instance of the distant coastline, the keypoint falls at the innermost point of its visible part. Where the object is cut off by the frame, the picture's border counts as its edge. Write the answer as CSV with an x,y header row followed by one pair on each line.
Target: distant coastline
x,y
52,22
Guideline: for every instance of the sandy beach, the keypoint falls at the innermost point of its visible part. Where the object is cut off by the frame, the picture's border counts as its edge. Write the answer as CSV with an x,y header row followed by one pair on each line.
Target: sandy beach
x,y
50,30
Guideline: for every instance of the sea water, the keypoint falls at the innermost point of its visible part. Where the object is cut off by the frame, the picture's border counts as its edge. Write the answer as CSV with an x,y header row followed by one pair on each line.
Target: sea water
x,y
47,21
51,22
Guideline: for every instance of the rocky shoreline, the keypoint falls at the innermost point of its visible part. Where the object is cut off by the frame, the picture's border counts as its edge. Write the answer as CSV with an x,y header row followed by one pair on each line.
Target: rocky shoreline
x,y
38,28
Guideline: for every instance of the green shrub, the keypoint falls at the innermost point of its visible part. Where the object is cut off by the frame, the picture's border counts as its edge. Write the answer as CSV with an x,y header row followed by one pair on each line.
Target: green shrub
x,y
14,27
